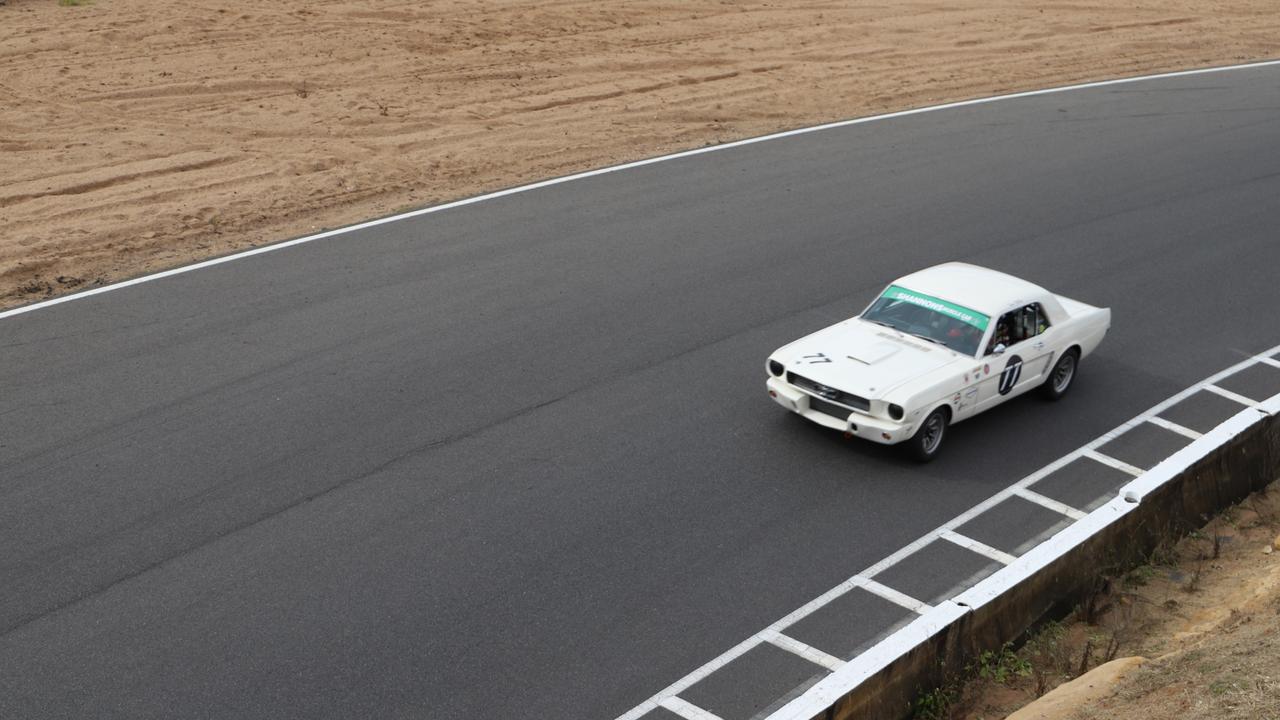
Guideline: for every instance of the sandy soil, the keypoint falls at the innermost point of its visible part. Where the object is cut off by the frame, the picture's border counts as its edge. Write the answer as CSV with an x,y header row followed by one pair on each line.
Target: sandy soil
x,y
136,135
1197,635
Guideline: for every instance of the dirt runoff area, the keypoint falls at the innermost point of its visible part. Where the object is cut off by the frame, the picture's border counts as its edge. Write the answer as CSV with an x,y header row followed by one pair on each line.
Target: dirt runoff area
x,y
137,135
1193,634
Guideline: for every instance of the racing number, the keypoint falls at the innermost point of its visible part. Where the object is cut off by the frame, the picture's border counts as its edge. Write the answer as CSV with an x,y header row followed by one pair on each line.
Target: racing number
x,y
1009,376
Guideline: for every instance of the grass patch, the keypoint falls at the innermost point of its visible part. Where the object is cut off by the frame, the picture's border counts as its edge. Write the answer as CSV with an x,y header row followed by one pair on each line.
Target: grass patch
x,y
937,704
1003,665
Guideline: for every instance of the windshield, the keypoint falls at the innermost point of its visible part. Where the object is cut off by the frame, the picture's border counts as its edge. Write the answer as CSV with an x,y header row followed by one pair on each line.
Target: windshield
x,y
930,318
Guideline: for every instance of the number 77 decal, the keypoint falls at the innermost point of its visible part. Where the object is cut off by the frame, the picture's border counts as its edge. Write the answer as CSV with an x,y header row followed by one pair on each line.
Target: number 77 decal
x,y
1009,376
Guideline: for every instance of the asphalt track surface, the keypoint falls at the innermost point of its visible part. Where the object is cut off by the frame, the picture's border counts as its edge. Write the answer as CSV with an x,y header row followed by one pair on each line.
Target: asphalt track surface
x,y
515,459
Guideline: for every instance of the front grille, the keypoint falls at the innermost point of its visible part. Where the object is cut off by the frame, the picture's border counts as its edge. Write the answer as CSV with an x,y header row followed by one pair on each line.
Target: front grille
x,y
831,409
844,398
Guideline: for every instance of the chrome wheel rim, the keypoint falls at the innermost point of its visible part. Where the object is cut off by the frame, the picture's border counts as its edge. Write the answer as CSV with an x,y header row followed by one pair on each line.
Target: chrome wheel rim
x,y
1063,373
933,429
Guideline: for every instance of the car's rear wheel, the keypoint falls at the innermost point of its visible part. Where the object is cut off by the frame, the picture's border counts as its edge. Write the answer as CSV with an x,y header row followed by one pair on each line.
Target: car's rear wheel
x,y
927,441
1061,376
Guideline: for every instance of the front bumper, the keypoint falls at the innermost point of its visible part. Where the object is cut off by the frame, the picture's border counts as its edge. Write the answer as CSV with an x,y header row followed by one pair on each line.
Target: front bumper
x,y
885,432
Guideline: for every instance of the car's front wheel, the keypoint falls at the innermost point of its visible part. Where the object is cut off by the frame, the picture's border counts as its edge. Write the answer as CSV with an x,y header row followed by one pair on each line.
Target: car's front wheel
x,y
927,441
1061,376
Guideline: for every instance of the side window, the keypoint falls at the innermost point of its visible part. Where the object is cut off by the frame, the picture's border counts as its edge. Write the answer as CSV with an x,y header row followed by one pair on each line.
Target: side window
x,y
1024,323
1018,325
1003,334
1032,320
1042,321
1028,322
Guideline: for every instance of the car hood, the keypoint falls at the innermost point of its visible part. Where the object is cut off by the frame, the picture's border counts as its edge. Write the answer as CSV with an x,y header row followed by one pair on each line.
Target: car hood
x,y
863,358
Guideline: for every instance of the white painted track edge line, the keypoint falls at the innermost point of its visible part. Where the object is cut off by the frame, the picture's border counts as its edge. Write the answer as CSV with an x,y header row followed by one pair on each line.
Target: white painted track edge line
x,y
686,709
741,648
804,650
625,166
977,546
895,596
1269,361
694,677
1049,503
969,514
1114,462
1171,426
1243,400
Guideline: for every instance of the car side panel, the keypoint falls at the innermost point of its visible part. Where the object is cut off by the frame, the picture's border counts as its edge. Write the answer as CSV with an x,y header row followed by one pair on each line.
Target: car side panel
x,y
955,388
1094,327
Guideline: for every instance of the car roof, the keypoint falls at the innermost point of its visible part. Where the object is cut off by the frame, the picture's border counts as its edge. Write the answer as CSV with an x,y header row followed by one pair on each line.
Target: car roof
x,y
990,292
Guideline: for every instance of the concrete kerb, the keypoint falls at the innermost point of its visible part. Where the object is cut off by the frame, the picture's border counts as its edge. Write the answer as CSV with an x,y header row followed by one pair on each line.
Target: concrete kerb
x,y
1222,467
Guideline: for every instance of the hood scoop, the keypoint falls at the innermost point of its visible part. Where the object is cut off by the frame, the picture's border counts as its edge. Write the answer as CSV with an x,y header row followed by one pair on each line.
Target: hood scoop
x,y
873,354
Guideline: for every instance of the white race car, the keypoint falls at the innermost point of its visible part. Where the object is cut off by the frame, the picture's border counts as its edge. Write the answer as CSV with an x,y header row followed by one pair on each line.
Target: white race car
x,y
936,347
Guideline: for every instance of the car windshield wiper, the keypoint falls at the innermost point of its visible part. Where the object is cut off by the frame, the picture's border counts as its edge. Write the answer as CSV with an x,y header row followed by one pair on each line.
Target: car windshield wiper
x,y
881,322
926,337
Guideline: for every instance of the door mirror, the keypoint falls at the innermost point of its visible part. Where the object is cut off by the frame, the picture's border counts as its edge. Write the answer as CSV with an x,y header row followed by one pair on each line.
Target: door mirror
x,y
998,349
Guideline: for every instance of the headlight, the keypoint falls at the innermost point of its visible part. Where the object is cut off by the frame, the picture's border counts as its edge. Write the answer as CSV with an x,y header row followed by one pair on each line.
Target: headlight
x,y
776,368
895,411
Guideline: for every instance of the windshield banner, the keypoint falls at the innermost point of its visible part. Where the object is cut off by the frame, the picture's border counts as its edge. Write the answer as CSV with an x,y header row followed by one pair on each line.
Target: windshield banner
x,y
951,310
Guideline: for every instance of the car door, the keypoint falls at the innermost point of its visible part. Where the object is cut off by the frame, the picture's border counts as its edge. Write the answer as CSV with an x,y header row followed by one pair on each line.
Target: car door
x,y
1021,366
994,366
1034,346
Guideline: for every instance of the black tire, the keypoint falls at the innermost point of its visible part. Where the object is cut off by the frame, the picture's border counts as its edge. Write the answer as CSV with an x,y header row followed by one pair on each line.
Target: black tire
x,y
1061,376
927,442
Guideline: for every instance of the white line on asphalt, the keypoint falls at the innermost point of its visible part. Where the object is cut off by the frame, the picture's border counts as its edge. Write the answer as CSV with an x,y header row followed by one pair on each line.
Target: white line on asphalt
x,y
617,168
741,648
686,709
1270,361
1114,462
1250,402
684,683
977,546
808,652
1049,503
1019,488
1175,427
893,596
964,517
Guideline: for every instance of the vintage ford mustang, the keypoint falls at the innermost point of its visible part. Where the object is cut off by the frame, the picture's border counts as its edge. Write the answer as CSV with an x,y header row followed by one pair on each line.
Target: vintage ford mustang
x,y
936,347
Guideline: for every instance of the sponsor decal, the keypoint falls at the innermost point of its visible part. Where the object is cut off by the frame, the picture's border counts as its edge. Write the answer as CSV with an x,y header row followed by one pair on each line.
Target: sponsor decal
x,y
1009,376
815,359
938,305
986,369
